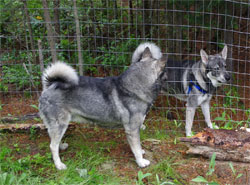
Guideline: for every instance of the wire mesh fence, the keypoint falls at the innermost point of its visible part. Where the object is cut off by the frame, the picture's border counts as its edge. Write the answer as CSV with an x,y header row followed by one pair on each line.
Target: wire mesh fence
x,y
108,33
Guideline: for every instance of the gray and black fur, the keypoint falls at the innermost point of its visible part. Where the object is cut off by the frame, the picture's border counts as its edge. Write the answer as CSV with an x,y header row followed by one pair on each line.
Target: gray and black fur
x,y
109,102
196,82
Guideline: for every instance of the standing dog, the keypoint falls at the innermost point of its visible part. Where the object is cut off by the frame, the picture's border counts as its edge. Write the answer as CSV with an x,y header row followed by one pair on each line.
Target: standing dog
x,y
109,102
195,82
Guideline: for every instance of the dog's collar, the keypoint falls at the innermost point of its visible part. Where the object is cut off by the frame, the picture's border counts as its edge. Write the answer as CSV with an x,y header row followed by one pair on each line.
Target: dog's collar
x,y
197,86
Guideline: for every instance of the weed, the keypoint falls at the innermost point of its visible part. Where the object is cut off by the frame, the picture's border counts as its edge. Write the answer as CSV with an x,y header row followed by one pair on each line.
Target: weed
x,y
165,169
162,183
201,179
235,174
229,124
232,97
16,74
211,165
177,124
34,106
142,176
33,132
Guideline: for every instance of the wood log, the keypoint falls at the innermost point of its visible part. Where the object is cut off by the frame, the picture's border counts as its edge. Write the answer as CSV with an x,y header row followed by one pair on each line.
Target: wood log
x,y
229,145
26,127
20,127
12,119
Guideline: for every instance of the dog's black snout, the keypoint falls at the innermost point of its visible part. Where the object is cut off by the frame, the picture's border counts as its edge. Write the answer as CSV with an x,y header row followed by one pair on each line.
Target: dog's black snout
x,y
227,77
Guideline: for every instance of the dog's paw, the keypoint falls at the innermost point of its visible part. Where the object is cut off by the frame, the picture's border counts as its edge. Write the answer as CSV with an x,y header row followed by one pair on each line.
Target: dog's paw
x,y
142,163
143,127
215,127
143,151
189,134
61,166
63,146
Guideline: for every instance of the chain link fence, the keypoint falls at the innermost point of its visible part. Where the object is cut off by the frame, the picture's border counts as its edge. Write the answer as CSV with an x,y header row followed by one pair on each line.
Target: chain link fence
x,y
99,37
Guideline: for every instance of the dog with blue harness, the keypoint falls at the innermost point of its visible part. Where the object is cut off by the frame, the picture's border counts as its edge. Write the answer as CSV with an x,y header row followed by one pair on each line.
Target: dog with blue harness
x,y
196,82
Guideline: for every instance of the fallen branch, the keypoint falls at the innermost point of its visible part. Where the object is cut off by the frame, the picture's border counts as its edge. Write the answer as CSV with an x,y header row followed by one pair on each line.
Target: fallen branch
x,y
12,119
25,127
19,127
229,145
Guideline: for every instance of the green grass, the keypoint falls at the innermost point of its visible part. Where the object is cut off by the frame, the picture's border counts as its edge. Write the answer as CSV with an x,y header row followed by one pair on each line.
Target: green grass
x,y
25,158
39,168
165,169
21,164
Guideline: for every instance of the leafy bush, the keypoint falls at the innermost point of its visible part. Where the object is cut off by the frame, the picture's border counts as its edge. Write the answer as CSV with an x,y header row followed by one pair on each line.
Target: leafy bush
x,y
16,74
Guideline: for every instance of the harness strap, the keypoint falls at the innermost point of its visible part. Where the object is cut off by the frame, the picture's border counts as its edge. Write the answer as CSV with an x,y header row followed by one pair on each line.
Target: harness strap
x,y
191,84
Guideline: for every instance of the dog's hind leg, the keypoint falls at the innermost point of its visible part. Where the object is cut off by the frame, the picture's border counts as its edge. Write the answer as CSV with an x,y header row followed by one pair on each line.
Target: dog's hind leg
x,y
190,111
206,112
56,132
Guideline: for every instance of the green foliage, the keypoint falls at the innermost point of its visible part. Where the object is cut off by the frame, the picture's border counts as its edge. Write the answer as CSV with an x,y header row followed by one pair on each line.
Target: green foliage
x,y
142,176
211,165
16,74
166,169
10,178
235,174
232,97
229,124
200,179
113,55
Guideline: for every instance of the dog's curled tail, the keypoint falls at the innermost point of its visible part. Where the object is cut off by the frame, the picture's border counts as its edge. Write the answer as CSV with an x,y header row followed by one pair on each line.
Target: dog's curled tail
x,y
61,75
155,51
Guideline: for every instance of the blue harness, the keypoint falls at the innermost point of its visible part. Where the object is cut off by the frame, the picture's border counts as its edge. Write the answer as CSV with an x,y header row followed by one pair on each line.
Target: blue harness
x,y
191,84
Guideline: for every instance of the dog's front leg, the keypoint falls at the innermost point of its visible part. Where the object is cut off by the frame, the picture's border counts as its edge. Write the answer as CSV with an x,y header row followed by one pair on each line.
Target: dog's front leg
x,y
190,111
206,112
133,137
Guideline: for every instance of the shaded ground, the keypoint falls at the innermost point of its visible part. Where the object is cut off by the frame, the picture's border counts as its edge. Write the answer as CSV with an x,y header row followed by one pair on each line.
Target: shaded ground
x,y
167,155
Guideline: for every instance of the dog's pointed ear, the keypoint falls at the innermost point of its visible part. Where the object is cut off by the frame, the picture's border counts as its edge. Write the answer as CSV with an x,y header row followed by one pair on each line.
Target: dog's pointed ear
x,y
204,57
224,52
146,53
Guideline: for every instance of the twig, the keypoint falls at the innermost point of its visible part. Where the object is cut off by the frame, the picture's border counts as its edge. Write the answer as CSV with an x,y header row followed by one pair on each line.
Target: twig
x,y
30,77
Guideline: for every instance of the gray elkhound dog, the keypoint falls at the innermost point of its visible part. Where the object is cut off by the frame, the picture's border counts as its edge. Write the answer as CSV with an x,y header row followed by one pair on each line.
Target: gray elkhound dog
x,y
109,102
194,82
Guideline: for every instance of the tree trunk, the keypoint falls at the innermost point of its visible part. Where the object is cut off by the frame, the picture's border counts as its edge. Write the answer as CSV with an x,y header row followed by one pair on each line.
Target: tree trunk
x,y
57,19
229,145
32,45
131,15
147,15
78,39
50,31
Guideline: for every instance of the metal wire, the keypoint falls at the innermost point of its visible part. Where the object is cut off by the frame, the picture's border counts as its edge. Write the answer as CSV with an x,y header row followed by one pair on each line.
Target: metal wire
x,y
111,30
